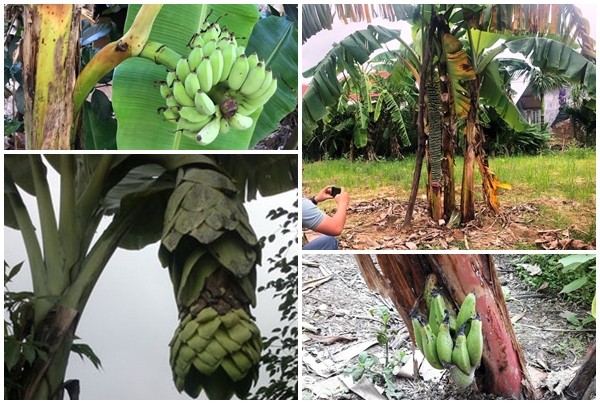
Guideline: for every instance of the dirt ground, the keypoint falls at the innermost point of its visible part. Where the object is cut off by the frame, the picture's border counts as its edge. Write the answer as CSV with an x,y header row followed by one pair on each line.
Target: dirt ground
x,y
376,224
336,303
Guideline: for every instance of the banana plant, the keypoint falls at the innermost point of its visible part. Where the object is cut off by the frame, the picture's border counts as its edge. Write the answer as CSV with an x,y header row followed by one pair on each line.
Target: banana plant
x,y
454,43
156,38
194,204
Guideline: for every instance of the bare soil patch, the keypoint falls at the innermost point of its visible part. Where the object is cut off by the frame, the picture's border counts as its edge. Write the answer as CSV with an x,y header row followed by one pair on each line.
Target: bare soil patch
x,y
336,320
377,224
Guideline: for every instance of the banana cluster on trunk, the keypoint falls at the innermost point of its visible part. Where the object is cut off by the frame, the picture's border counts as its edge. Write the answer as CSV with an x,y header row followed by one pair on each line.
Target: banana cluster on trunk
x,y
212,252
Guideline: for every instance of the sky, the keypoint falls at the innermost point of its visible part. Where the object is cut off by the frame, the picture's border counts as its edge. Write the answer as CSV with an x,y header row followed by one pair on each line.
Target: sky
x,y
317,46
131,315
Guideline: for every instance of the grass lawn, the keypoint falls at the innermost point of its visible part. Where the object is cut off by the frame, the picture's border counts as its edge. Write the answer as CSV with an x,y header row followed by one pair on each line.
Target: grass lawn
x,y
561,185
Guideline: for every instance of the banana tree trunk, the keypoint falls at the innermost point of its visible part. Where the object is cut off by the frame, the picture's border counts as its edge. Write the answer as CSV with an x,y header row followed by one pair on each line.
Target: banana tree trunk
x,y
402,279
50,62
467,201
46,377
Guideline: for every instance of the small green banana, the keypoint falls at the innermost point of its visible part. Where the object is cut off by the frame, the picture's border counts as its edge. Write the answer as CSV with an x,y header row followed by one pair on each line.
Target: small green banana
x,y
467,309
217,63
240,122
192,85
436,312
223,126
475,341
417,329
182,69
444,342
461,380
204,104
430,284
238,72
429,346
192,115
253,81
181,95
209,47
171,76
195,57
229,56
165,90
460,353
209,132
185,124
204,73
206,315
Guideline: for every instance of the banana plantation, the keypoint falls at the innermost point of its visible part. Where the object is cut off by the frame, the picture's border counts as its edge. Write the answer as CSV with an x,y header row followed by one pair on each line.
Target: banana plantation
x,y
441,91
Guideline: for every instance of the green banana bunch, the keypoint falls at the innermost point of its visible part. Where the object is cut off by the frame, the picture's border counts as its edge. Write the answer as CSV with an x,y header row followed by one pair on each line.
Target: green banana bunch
x,y
211,252
447,340
218,84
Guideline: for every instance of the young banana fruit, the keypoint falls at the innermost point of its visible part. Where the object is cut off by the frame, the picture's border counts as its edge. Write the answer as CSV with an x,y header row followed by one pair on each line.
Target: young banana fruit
x,y
444,342
216,73
467,310
475,341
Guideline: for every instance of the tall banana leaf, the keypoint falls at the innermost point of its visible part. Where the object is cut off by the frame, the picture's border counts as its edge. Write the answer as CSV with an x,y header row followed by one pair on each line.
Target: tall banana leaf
x,y
136,99
324,89
396,116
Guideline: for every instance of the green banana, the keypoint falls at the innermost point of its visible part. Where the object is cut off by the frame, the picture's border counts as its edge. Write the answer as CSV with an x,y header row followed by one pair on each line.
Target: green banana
x,y
223,126
204,73
209,47
212,32
263,97
170,113
430,284
209,132
192,85
436,312
460,353
229,56
171,76
165,90
216,62
467,309
417,329
429,346
204,104
182,69
444,342
238,72
253,81
461,380
252,60
185,124
172,102
240,122
195,57
475,341
192,115
181,95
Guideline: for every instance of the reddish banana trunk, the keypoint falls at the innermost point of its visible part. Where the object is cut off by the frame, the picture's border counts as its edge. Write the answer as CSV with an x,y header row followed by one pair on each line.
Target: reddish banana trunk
x,y
402,279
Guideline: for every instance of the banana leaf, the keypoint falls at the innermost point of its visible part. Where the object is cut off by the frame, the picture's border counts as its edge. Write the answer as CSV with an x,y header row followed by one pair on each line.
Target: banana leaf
x,y
136,99
275,40
553,56
324,89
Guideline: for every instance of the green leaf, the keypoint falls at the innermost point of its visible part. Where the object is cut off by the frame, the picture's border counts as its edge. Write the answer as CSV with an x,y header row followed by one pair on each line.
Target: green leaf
x,y
576,259
275,40
84,351
12,352
576,284
99,135
14,271
325,90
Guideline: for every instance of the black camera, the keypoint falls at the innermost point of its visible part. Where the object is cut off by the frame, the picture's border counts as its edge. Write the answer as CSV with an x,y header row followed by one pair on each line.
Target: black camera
x,y
335,191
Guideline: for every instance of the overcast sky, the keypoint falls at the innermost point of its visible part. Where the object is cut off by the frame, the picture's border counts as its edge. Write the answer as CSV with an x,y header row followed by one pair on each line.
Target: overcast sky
x,y
131,315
